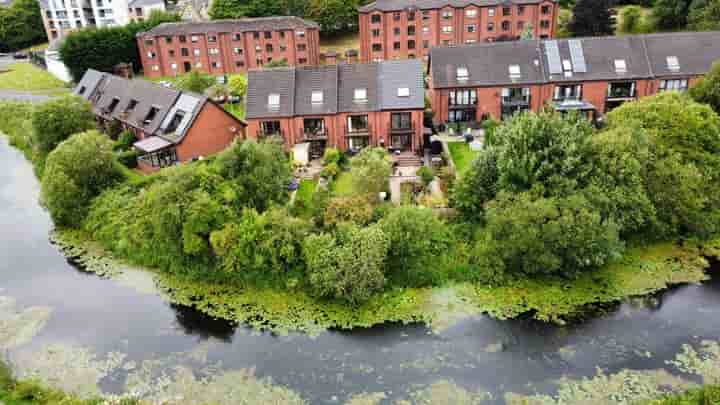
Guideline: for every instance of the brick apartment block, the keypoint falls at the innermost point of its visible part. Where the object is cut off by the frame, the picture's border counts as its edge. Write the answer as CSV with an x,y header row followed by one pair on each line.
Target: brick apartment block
x,y
172,126
346,106
398,29
471,83
227,46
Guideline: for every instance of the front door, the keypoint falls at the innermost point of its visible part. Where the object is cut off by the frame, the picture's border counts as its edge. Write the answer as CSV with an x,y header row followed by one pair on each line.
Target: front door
x,y
187,66
317,148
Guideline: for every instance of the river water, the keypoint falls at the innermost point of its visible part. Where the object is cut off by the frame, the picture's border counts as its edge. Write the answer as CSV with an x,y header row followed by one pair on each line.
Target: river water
x,y
484,354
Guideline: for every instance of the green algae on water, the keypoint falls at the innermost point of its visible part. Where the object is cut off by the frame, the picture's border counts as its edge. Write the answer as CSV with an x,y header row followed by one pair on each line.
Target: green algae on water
x,y
19,327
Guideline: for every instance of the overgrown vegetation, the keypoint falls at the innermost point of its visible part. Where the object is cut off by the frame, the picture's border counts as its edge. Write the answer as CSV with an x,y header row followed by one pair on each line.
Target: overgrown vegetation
x,y
21,25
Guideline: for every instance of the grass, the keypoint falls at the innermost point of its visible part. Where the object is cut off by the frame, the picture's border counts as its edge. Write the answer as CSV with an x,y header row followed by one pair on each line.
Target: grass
x,y
27,77
304,198
461,155
237,110
340,43
706,395
343,185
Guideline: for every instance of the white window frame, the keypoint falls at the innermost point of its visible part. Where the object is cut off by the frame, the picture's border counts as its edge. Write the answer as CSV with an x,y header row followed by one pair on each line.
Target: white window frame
x,y
462,73
491,12
673,64
360,95
620,66
274,100
514,71
447,29
403,92
471,13
316,97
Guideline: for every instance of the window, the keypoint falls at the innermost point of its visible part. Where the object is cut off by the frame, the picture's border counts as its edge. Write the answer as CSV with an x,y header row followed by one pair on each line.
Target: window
x,y
621,90
567,66
411,44
150,116
212,38
516,95
491,27
155,68
411,15
447,14
471,13
357,123
238,51
274,101
426,44
572,92
545,10
376,47
396,16
268,34
175,122
301,47
446,42
425,15
505,25
302,61
411,56
258,48
148,42
403,92
521,25
396,31
426,30
270,127
506,11
283,48
376,32
237,37
196,52
193,38
447,28
673,64
269,59
111,107
268,48
184,52
239,63
396,45
677,85
168,40
360,95
81,91
401,120
620,66
173,66
171,53
213,51
470,41
491,12
514,71
216,65
316,97
256,35
375,18
471,28
411,30
521,10
282,34
151,55
462,97
462,73
198,65
544,24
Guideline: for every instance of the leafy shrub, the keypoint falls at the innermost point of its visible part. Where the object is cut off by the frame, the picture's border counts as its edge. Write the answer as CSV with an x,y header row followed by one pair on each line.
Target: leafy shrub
x,y
237,85
79,169
477,186
330,171
55,120
356,210
125,141
370,171
195,82
332,155
426,175
707,90
129,158
490,125
16,123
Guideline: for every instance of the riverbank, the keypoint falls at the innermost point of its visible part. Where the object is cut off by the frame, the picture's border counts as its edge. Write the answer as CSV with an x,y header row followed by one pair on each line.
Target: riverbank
x,y
641,272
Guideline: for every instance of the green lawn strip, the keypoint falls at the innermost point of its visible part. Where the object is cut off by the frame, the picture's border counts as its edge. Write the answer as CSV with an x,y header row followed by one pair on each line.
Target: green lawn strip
x,y
461,155
343,185
28,77
237,110
304,198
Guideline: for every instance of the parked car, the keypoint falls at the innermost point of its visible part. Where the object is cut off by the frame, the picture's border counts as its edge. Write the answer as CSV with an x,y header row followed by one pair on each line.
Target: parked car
x,y
20,55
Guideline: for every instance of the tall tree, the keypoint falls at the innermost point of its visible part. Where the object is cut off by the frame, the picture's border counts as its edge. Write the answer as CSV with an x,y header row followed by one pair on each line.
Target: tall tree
x,y
707,91
21,25
670,14
592,18
334,15
704,15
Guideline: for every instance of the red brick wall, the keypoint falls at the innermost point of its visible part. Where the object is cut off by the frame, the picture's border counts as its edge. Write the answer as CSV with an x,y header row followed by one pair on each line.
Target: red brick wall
x,y
226,59
211,133
459,23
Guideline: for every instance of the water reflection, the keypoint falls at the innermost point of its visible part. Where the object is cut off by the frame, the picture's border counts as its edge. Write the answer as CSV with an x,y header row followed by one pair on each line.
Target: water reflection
x,y
196,323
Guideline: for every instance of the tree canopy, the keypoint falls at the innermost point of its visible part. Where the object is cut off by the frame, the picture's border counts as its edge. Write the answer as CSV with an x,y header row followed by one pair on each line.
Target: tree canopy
x,y
707,91
21,25
592,18
670,14
57,119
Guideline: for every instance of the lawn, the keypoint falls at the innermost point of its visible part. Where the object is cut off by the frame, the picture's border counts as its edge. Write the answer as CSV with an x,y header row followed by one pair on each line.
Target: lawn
x,y
304,197
461,155
237,110
343,185
27,77
340,43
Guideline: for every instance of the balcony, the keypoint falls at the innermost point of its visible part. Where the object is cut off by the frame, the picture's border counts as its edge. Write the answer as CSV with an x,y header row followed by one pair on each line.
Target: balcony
x,y
621,91
516,101
402,129
314,134
355,132
261,133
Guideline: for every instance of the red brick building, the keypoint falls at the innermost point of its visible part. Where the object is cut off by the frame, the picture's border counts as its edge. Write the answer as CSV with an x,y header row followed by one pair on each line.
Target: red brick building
x,y
398,29
593,75
347,106
171,126
227,46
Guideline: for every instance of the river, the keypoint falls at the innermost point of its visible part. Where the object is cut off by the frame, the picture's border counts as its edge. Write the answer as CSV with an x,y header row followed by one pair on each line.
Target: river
x,y
523,356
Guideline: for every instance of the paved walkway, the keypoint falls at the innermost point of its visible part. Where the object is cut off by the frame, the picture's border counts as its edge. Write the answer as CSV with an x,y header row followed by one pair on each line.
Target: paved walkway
x,y
12,95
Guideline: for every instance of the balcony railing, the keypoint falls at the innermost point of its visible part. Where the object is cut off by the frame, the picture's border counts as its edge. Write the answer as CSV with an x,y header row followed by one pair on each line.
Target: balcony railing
x,y
621,92
401,129
313,134
266,134
357,131
516,101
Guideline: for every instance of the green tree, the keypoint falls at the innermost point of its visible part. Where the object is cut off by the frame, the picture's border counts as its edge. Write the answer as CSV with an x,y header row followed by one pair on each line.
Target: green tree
x,y
418,239
195,82
670,14
707,90
258,174
477,186
221,9
530,236
57,119
370,171
592,18
334,15
356,210
21,25
631,19
705,17
426,175
347,266
238,85
78,170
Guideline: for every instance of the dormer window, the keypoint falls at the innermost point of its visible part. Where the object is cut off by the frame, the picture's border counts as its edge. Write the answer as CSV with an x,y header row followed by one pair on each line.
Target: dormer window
x,y
112,105
274,101
514,71
620,66
131,106
462,73
81,91
403,92
360,95
175,122
567,68
673,64
316,97
150,117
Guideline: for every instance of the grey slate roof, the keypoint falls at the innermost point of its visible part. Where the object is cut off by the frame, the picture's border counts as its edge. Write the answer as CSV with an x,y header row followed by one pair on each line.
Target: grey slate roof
x,y
645,56
145,3
90,82
396,5
238,25
338,83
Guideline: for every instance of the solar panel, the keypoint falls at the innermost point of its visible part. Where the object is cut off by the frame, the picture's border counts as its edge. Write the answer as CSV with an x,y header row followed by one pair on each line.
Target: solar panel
x,y
577,55
553,55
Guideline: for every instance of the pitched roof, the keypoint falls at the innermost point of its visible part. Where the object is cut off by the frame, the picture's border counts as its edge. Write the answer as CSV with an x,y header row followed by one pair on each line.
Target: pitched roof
x,y
397,5
339,83
605,58
238,25
145,3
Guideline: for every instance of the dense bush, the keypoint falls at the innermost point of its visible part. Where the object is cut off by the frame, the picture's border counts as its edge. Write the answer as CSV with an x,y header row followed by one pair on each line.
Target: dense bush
x,y
370,171
57,119
707,91
16,123
78,170
21,25
125,141
356,210
129,158
195,82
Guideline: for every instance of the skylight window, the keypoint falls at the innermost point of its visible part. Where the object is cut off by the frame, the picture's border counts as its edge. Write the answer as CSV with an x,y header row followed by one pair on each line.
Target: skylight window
x,y
514,71
620,66
403,92
360,95
274,100
567,66
673,63
462,73
316,97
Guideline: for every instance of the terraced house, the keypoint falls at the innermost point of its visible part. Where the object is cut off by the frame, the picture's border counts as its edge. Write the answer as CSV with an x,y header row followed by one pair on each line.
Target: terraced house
x,y
395,29
346,106
171,126
592,75
227,46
